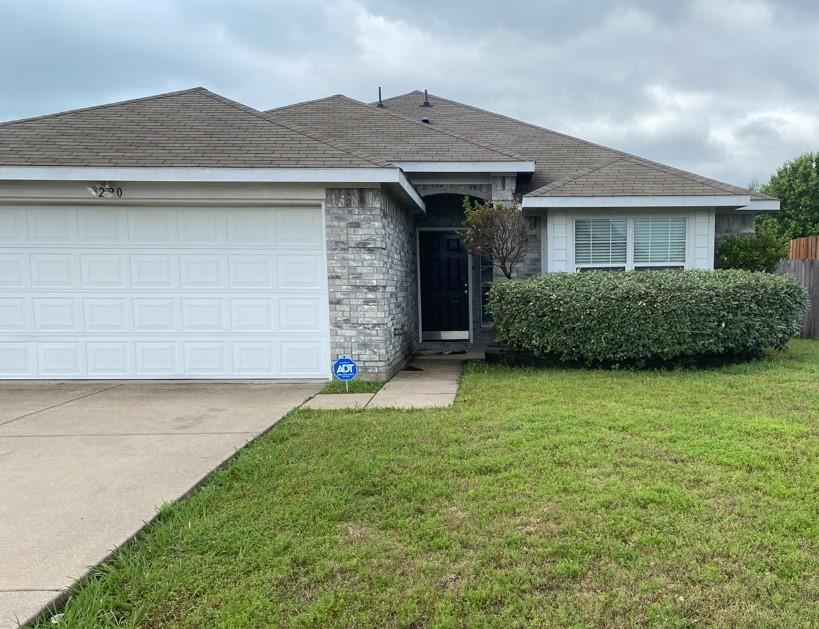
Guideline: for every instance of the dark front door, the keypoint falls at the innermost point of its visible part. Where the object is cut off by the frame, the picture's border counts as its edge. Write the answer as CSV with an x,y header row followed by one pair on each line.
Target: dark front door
x,y
444,286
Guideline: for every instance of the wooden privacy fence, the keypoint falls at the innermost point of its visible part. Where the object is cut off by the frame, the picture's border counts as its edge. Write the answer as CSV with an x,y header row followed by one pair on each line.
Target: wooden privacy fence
x,y
804,248
806,272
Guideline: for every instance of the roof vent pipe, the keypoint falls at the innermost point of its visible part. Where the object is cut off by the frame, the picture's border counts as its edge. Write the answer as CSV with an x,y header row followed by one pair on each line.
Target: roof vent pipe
x,y
380,104
426,102
425,120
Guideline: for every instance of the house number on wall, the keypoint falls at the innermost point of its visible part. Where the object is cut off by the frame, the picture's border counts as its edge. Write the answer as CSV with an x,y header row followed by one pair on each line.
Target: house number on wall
x,y
105,192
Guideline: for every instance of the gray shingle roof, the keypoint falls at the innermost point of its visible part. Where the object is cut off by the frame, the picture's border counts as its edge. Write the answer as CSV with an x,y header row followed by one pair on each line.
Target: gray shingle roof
x,y
564,166
197,128
623,176
383,134
193,128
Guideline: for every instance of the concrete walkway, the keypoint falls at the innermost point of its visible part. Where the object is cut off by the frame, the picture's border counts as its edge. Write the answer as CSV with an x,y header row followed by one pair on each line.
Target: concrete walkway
x,y
425,383
85,465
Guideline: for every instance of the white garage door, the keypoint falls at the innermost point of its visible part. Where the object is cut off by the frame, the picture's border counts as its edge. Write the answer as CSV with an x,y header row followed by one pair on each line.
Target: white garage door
x,y
120,292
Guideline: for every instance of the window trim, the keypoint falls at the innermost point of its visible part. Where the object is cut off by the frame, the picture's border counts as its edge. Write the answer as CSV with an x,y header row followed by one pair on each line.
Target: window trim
x,y
485,323
630,218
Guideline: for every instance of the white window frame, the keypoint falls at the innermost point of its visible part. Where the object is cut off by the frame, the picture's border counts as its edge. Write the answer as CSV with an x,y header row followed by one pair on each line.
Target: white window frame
x,y
629,264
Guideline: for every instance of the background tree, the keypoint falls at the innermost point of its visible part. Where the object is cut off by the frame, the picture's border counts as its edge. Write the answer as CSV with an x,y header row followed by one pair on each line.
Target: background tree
x,y
497,232
796,184
760,251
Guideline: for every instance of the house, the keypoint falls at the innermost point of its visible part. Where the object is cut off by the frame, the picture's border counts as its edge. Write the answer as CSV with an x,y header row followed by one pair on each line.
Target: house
x,y
188,236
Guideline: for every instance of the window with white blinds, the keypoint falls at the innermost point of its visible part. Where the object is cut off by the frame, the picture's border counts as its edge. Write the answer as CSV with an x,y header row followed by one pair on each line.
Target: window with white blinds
x,y
630,243
600,241
659,241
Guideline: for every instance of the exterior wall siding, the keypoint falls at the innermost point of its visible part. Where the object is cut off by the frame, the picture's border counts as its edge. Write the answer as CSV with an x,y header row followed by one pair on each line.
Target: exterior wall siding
x,y
371,279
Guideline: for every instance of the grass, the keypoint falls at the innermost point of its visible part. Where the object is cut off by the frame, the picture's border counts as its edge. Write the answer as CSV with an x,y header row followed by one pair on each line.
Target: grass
x,y
356,386
542,498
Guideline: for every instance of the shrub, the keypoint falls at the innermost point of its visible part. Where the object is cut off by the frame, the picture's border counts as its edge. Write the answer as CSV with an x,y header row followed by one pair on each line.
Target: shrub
x,y
497,232
648,318
760,251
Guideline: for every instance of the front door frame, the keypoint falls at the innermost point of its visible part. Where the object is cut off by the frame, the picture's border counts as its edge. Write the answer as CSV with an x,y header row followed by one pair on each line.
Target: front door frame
x,y
418,231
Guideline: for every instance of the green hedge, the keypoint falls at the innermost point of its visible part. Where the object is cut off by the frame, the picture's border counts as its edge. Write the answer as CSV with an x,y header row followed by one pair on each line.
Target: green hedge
x,y
647,318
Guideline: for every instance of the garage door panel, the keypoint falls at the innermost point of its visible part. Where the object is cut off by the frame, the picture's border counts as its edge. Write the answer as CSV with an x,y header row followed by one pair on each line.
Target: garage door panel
x,y
17,360
300,358
13,269
107,359
53,270
13,229
57,358
253,358
158,270
152,227
250,271
102,270
299,271
201,271
55,314
104,227
203,314
205,358
299,228
156,358
198,227
14,316
155,315
163,293
251,315
300,314
104,315
245,227
51,226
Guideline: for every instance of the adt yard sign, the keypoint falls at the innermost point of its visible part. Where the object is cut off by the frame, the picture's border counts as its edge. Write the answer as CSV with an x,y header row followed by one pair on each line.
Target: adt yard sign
x,y
345,369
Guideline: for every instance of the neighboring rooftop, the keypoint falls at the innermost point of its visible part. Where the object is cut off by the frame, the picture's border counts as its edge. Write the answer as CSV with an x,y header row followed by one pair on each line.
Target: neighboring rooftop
x,y
194,128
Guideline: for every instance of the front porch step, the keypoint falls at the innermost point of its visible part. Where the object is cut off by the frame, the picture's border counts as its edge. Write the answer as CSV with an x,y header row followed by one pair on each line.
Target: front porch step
x,y
455,349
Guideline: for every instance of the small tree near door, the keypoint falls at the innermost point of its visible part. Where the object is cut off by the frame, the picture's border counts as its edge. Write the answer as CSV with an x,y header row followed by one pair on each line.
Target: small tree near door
x,y
497,232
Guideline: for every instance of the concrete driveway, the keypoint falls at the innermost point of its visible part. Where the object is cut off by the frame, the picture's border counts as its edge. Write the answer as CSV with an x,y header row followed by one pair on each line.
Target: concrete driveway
x,y
84,465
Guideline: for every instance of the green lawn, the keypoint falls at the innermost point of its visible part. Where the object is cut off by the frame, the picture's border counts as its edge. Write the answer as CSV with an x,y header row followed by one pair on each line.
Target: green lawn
x,y
557,497
354,386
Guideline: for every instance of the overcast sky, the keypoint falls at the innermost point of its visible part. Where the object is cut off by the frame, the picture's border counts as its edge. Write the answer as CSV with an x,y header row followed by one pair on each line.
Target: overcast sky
x,y
725,88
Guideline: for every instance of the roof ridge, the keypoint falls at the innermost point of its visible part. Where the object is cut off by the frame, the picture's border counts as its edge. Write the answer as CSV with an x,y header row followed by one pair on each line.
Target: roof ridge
x,y
309,101
571,137
432,128
312,136
417,123
103,106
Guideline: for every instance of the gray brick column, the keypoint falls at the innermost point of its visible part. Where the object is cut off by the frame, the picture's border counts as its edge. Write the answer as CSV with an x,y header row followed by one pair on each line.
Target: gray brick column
x,y
371,279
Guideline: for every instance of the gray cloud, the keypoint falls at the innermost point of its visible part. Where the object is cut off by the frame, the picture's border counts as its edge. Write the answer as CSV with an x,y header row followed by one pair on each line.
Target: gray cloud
x,y
727,89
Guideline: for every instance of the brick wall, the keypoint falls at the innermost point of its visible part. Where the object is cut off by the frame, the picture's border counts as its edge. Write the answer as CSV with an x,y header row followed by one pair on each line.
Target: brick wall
x,y
371,279
402,283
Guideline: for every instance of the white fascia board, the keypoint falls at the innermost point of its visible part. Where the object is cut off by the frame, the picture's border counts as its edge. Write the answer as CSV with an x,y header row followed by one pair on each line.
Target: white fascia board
x,y
407,187
197,174
212,175
466,167
761,205
726,200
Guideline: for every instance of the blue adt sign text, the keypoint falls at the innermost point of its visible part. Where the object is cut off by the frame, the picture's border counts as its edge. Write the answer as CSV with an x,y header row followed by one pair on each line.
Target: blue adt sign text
x,y
345,368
